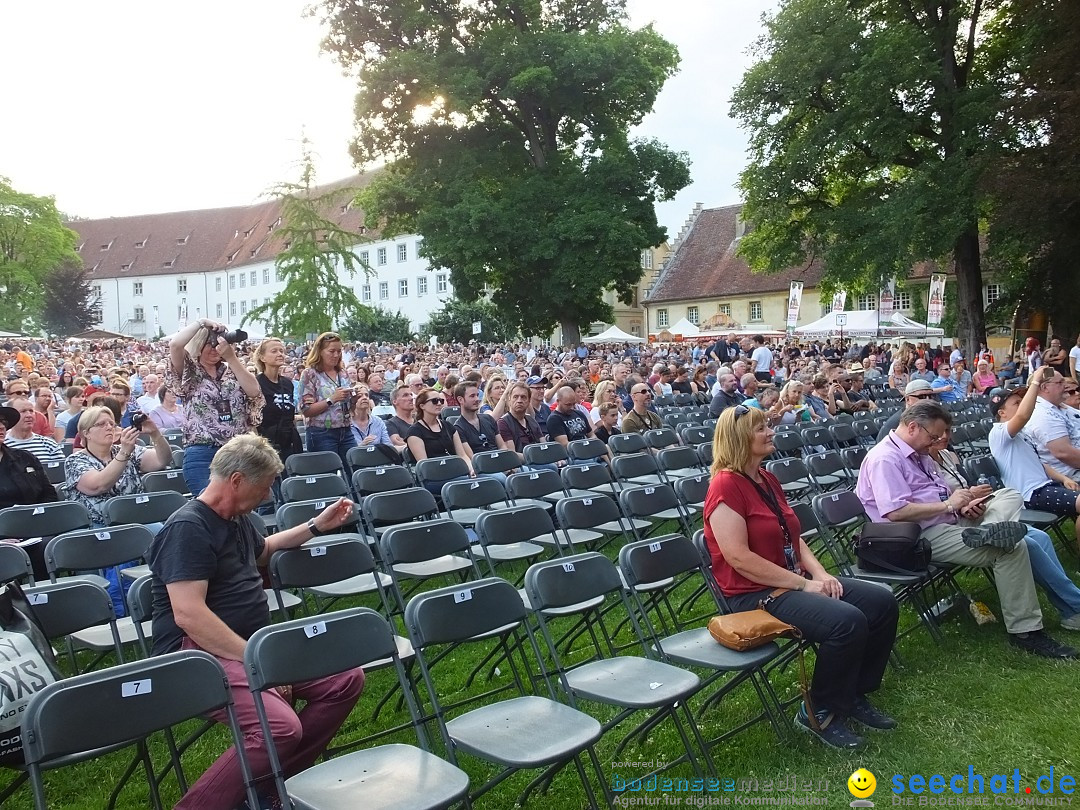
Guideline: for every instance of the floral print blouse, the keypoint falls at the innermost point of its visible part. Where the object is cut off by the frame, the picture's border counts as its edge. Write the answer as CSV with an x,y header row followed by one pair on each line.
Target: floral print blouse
x,y
215,410
317,386
129,482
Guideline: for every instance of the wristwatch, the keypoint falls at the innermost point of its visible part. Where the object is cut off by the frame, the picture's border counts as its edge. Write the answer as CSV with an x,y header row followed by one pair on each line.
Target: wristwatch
x,y
311,527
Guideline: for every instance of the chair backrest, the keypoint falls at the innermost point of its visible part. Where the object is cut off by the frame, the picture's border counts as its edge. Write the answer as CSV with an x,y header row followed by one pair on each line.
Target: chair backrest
x,y
545,453
444,468
808,520
473,493
69,606
313,487
313,463
54,470
827,463
692,489
381,479
450,411
627,443
366,456
633,466
704,451
463,612
836,508
298,512
659,438
162,480
843,435
586,511
585,476
979,466
573,580
402,506
645,501
496,461
678,458
518,524
146,507
788,444
788,470
586,449
853,457
322,561
646,561
15,564
663,401
816,437
695,434
43,519
85,549
534,484
419,542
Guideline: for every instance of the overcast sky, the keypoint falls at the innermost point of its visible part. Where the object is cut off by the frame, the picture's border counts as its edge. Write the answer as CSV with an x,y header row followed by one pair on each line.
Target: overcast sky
x,y
127,107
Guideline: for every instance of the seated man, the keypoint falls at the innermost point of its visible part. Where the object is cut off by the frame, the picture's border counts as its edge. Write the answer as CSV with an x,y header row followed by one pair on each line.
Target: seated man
x,y
1041,486
22,436
915,392
640,418
1051,431
208,595
567,422
945,386
727,396
897,483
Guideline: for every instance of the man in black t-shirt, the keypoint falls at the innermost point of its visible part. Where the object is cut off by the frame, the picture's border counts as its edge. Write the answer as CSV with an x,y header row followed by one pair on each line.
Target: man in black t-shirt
x,y
568,423
208,595
478,431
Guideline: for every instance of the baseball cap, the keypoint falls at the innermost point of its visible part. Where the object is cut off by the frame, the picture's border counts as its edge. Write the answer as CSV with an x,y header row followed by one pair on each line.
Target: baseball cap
x,y
999,395
92,389
915,386
537,381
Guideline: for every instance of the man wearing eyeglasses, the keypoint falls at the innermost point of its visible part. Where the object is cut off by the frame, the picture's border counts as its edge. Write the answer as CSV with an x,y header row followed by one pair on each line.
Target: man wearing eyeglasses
x,y
899,483
917,391
1055,436
640,418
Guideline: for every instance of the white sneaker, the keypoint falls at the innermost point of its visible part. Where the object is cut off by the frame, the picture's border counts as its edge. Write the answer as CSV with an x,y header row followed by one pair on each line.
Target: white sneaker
x,y
1071,623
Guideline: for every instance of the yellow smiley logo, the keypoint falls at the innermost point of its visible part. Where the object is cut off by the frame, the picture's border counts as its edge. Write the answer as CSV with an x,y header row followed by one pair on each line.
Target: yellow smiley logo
x,y
862,784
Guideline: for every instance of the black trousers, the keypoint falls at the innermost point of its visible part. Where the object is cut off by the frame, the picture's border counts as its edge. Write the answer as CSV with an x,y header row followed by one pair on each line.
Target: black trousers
x,y
763,376
854,636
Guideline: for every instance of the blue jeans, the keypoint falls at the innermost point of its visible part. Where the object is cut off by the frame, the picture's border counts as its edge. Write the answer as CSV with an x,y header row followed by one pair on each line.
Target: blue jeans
x,y
336,440
1047,570
197,458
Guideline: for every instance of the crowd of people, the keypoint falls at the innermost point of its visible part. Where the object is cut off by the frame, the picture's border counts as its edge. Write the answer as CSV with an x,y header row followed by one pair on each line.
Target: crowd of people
x,y
236,410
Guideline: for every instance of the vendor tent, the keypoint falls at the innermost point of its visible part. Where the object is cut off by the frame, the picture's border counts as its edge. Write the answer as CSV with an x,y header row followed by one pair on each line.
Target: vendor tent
x,y
864,324
685,328
613,334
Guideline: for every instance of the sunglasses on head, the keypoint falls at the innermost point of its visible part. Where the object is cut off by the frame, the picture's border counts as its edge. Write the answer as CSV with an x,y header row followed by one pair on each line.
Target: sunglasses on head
x,y
741,411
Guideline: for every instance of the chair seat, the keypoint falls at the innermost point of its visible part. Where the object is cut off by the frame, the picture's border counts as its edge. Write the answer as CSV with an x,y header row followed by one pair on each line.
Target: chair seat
x,y
632,682
697,648
447,564
541,502
364,583
405,652
795,486
288,599
645,587
508,552
525,732
828,480
135,572
1036,517
666,514
388,777
100,639
685,472
568,610
647,480
584,537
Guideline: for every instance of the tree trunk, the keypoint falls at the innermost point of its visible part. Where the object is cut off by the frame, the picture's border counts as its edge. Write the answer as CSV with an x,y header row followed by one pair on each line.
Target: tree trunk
x,y
971,321
571,333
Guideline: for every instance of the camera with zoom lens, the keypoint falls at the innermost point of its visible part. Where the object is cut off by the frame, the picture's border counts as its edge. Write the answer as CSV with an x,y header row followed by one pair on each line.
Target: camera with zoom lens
x,y
137,419
234,336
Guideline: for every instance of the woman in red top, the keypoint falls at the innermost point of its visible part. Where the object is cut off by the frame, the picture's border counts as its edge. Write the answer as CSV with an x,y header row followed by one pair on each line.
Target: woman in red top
x,y
759,558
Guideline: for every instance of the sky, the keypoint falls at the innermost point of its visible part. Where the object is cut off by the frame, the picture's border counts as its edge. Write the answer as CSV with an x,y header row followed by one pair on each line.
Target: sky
x,y
124,107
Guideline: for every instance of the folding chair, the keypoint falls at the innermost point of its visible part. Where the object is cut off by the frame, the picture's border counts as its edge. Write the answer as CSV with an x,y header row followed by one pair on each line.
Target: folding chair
x,y
165,480
636,468
386,776
793,476
440,470
80,718
144,508
465,501
843,435
72,606
853,459
622,443
366,457
15,565
660,438
678,462
536,487
329,568
591,479
324,486
828,471
384,509
425,550
692,491
704,451
491,462
545,453
54,471
657,505
788,445
368,481
866,430
314,462
593,520
978,467
587,450
520,732
511,535
692,435
42,520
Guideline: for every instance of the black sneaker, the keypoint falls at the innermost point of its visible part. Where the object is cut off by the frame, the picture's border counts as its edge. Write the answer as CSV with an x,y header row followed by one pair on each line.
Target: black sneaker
x,y
1038,643
832,731
866,713
1003,535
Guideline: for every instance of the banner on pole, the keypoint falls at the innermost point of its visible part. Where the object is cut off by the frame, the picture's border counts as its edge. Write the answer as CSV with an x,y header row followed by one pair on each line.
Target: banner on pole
x,y
839,299
793,304
937,299
887,300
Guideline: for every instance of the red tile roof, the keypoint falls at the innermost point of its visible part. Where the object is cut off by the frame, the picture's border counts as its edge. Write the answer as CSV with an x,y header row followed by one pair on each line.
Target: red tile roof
x,y
181,242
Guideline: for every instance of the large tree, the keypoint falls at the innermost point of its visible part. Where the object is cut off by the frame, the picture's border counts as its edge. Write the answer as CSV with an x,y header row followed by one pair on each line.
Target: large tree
x,y
376,325
317,249
869,124
33,243
453,323
69,305
505,128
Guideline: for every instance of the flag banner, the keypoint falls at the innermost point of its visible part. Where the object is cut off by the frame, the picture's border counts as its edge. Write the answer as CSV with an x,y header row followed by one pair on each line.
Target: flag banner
x,y
887,299
839,300
793,304
937,299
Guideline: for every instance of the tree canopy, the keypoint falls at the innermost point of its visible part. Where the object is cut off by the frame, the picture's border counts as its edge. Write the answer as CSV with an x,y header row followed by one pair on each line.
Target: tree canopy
x,y
869,124
453,323
506,130
69,305
376,325
33,244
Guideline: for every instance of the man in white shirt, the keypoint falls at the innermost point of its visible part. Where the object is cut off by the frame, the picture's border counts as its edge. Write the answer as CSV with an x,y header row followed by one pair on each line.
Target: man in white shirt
x,y
149,400
762,359
1074,360
1050,430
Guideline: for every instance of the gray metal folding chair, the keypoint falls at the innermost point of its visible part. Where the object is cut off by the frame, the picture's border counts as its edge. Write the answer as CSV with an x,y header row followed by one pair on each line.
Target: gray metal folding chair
x,y
73,606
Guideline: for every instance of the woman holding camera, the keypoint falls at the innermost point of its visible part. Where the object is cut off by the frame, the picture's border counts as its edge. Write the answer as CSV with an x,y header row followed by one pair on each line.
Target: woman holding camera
x,y
221,397
759,559
325,398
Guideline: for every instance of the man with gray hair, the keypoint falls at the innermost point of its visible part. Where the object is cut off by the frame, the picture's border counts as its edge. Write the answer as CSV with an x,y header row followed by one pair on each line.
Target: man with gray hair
x,y
208,595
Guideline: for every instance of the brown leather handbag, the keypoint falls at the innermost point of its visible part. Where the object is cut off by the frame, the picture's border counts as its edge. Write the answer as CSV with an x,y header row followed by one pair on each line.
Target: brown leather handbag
x,y
749,629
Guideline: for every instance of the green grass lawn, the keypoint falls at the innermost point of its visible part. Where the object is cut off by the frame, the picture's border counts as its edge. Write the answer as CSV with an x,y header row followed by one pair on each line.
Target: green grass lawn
x,y
971,701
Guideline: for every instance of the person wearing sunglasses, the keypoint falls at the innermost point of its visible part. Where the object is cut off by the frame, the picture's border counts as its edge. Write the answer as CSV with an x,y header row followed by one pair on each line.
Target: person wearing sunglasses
x,y
431,436
916,391
759,558
640,418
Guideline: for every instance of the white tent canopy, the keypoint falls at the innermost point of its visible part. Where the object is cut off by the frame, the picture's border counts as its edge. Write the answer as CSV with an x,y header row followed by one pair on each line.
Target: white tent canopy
x,y
864,324
613,334
684,328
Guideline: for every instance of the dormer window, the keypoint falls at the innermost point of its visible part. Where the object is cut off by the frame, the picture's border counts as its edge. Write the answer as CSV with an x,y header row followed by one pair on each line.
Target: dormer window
x,y
107,246
168,263
181,240
141,243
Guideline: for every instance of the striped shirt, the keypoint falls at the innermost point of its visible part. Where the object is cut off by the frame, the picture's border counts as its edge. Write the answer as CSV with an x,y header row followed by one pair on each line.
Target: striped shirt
x,y
43,449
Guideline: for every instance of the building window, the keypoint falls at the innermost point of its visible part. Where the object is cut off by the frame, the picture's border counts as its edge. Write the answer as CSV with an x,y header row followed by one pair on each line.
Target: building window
x,y
232,309
692,315
402,253
421,285
254,278
232,282
403,288
266,275
139,316
440,283
902,300
243,307
991,293
724,309
867,302
217,310
181,240
380,256
136,288
168,263
95,290
365,292
243,280
181,285
217,284
141,244
266,302
646,260
384,290
755,310
826,307
365,257
661,318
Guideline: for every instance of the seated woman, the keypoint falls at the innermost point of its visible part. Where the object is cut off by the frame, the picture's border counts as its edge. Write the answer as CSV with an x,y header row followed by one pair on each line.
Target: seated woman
x,y
431,436
368,429
984,379
493,394
759,559
168,414
606,394
112,463
791,395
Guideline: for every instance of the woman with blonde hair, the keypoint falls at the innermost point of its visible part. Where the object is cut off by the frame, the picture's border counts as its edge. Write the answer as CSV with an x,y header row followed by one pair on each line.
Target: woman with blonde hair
x,y
606,394
492,401
898,376
221,397
279,414
325,398
759,559
791,395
